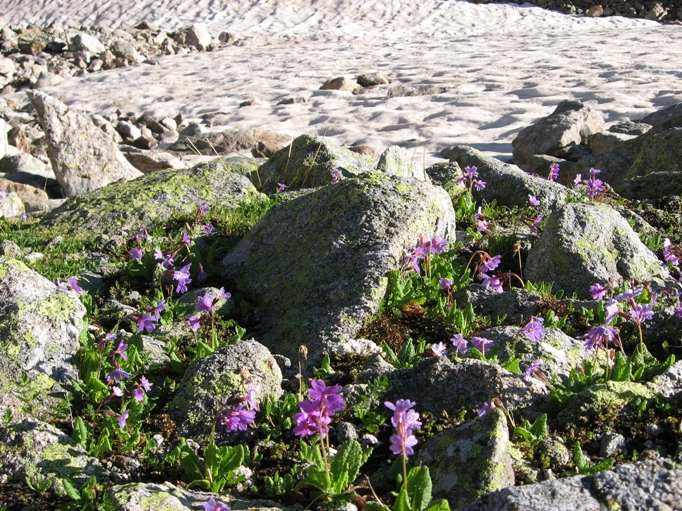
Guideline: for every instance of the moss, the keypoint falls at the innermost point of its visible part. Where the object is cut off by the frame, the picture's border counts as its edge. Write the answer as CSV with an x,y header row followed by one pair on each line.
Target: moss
x,y
403,189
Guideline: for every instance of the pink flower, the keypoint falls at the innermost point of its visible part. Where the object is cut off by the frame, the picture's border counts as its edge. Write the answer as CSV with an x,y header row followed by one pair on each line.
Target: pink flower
x,y
405,421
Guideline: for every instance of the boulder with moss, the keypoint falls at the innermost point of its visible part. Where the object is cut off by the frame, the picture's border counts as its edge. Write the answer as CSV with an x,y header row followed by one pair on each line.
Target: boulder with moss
x,y
223,376
31,450
39,331
316,265
508,184
470,460
469,383
396,160
129,206
83,157
583,244
307,163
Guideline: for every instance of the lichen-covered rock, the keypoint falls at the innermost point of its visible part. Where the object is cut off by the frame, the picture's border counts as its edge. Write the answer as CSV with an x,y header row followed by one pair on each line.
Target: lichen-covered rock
x,y
212,381
396,161
508,184
597,398
168,497
39,330
659,152
470,460
570,125
317,264
667,114
128,206
559,352
308,164
516,304
83,157
584,244
469,384
446,174
31,449
654,484
669,383
151,161
10,205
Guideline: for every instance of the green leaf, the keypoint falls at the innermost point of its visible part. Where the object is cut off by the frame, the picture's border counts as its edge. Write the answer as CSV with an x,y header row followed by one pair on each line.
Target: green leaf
x,y
599,467
373,505
579,458
419,487
539,427
346,464
439,505
512,365
70,489
401,502
80,432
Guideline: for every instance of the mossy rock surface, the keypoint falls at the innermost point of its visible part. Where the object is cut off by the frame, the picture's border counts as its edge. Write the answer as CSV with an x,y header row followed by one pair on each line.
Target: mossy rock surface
x,y
308,163
583,244
131,205
316,265
470,460
39,330
660,152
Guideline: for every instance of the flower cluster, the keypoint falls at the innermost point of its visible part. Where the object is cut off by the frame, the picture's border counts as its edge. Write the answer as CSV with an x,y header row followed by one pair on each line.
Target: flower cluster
x,y
553,172
405,421
206,305
118,375
239,418
593,186
147,322
462,345
316,412
534,329
215,505
672,253
71,284
482,222
469,179
336,175
425,247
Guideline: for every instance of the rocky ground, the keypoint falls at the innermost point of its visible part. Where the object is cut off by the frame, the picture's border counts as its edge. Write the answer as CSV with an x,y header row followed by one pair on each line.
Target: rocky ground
x,y
669,11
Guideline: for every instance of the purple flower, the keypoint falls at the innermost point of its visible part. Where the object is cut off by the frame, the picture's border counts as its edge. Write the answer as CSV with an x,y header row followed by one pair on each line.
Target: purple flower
x,y
117,392
224,294
238,419
328,397
205,304
678,311
440,350
120,350
208,228
459,342
482,226
482,344
24,216
122,419
169,262
641,313
185,238
214,505
138,394
554,171
252,399
203,209
74,285
145,383
308,421
156,311
577,181
532,368
670,255
479,185
492,282
534,329
146,323
445,284
482,411
405,421
630,294
611,309
536,224
489,263
599,336
533,200
470,171
281,187
136,254
411,261
315,415
158,255
182,276
598,291
117,375
336,175
194,322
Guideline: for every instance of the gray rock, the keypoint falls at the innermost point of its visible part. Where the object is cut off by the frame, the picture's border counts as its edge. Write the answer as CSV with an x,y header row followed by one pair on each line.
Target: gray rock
x,y
340,83
11,205
559,352
128,130
667,114
31,449
660,152
25,192
610,444
22,162
614,166
469,384
400,91
539,164
470,460
10,250
630,127
586,243
7,66
607,141
309,164
131,205
86,42
669,384
212,381
554,450
126,50
151,161
508,184
396,161
83,158
39,330
571,124
4,145
341,240
371,79
193,129
198,36
516,304
167,497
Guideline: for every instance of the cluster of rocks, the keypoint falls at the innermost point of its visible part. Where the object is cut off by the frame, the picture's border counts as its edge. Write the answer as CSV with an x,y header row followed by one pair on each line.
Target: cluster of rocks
x,y
666,11
34,57
316,267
